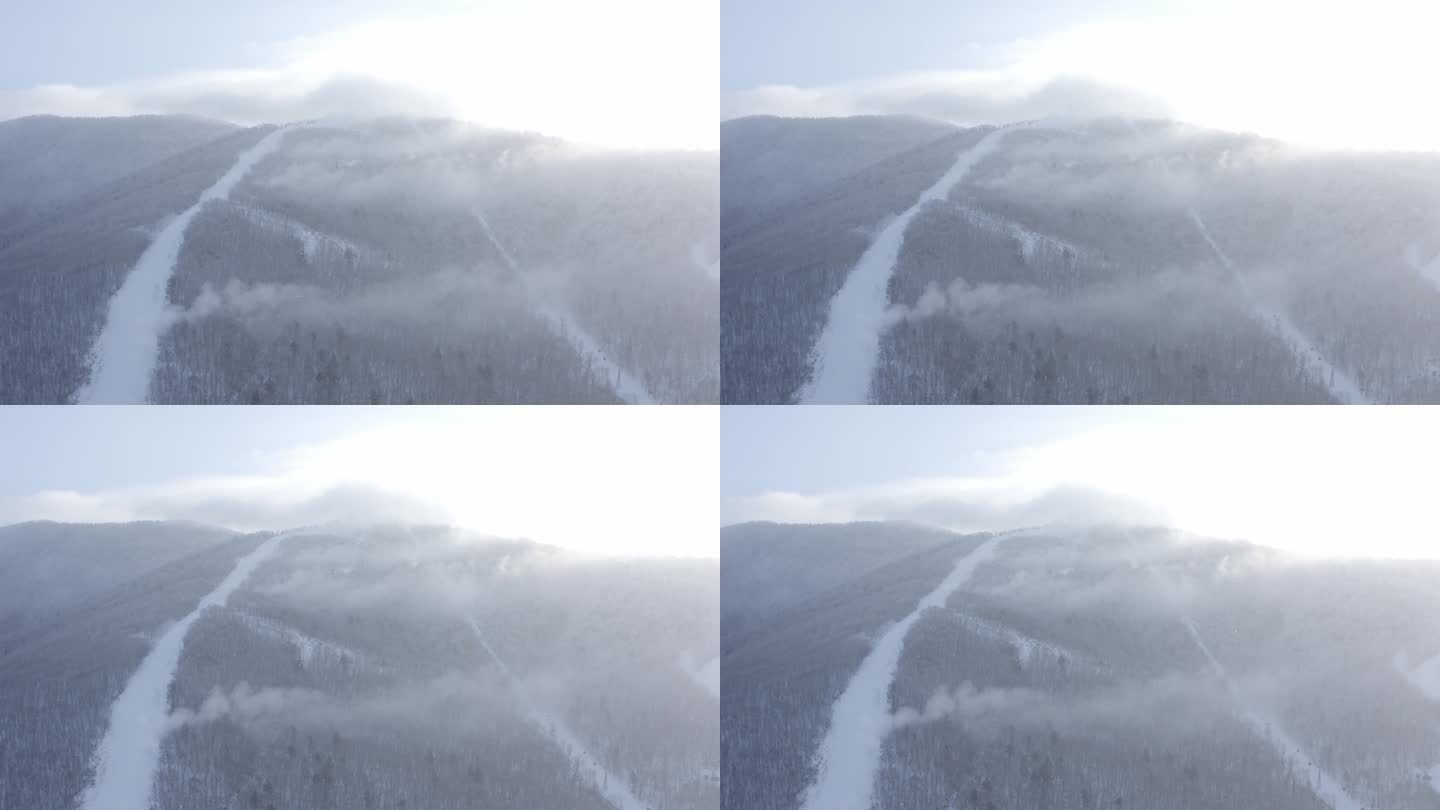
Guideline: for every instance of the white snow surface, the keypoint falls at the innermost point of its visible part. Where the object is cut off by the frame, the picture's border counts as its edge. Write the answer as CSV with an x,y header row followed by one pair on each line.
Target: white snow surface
x,y
123,357
311,240
849,754
1424,676
1324,785
1027,648
849,346
706,675
627,386
610,785
710,267
1338,383
310,649
1430,271
129,752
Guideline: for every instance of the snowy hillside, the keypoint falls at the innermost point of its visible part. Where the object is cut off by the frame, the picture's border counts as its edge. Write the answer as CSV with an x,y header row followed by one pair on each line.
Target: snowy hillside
x,y
380,261
1112,261
1080,668
362,668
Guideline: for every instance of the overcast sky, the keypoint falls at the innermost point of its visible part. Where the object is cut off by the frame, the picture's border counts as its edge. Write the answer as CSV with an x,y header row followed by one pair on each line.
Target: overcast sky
x,y
628,73
1317,480
1348,75
613,481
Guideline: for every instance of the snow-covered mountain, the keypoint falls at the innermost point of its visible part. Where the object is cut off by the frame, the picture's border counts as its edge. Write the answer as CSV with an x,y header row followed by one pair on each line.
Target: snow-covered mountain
x,y
377,261
1109,261
379,667
1098,667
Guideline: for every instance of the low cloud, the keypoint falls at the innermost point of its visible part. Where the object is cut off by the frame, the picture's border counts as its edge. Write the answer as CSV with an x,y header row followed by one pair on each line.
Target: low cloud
x,y
959,505
1186,700
242,505
248,98
967,99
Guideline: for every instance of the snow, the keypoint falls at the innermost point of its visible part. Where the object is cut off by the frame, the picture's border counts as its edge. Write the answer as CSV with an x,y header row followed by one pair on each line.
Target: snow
x,y
611,787
1324,785
1027,648
1430,271
129,752
710,267
849,345
1424,676
309,648
627,386
706,676
123,357
1337,382
849,754
1031,244
311,240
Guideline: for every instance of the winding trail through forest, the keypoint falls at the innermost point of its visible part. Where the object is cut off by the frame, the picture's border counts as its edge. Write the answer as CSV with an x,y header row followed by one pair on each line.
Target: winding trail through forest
x,y
1325,786
849,346
627,386
123,357
610,786
129,753
849,754
1338,383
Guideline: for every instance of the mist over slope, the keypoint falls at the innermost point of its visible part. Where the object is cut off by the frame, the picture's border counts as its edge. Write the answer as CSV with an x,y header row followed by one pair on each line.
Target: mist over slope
x,y
47,159
1079,668
371,667
1109,261
378,261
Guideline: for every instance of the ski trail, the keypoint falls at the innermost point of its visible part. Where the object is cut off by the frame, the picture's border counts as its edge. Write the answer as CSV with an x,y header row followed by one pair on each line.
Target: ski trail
x,y
627,386
309,648
128,754
849,754
123,357
610,786
1337,382
1027,648
849,346
1325,786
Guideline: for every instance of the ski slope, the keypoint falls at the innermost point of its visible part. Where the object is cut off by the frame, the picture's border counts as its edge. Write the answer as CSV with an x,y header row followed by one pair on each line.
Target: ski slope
x,y
849,346
123,357
310,649
849,754
627,386
608,784
1027,648
1337,382
1325,786
129,752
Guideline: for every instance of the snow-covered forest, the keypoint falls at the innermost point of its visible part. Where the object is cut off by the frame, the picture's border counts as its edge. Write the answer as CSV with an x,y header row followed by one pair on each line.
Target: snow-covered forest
x,y
381,261
380,667
1110,261
1083,668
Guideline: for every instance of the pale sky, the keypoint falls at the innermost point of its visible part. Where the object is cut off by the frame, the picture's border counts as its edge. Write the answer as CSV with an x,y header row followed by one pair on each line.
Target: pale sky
x,y
624,73
1319,481
598,480
1311,72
